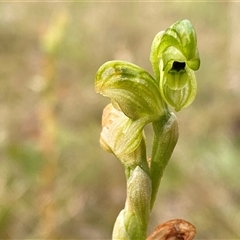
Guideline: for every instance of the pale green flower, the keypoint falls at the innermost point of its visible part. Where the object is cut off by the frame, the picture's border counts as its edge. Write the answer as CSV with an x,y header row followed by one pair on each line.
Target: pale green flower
x,y
174,57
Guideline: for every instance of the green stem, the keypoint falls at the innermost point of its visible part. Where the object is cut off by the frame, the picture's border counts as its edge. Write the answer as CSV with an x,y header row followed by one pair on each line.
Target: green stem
x,y
132,221
165,139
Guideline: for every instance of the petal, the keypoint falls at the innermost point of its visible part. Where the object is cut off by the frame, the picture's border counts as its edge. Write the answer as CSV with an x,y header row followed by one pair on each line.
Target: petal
x,y
171,54
155,54
120,134
182,36
178,88
131,89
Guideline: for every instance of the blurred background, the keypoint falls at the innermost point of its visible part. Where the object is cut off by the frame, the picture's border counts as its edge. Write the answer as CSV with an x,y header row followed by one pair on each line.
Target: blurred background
x,y
55,180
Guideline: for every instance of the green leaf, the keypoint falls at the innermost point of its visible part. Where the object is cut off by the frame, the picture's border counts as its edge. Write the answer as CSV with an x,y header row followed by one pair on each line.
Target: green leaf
x,y
131,89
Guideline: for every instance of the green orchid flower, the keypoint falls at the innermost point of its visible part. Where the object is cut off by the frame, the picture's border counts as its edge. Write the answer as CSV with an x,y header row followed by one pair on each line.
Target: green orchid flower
x,y
136,101
123,136
174,57
131,89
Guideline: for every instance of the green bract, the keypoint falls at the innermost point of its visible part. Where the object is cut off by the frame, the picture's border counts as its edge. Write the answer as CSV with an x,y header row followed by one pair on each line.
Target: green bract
x,y
132,90
174,57
139,189
131,223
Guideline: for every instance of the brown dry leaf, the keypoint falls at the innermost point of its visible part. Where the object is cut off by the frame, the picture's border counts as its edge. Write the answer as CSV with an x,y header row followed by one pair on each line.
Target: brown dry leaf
x,y
176,229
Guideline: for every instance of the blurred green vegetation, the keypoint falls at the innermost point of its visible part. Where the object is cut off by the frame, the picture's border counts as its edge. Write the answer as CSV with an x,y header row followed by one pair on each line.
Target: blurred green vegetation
x,y
55,180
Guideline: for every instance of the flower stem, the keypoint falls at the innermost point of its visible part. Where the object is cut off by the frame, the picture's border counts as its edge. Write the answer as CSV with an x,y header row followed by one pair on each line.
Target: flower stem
x,y
165,139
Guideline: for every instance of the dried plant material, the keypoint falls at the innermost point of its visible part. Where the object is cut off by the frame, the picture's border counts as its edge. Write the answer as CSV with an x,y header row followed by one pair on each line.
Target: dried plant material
x,y
176,229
